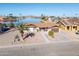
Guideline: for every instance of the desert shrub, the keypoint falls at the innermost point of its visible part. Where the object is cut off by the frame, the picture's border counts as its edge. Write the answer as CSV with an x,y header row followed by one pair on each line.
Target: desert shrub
x,y
37,30
51,33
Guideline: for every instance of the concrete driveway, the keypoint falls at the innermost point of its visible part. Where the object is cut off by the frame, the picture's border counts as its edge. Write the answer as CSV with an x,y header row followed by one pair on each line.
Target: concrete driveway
x,y
61,36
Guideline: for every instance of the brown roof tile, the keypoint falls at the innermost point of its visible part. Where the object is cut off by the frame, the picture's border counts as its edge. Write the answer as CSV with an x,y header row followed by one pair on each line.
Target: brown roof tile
x,y
70,22
39,24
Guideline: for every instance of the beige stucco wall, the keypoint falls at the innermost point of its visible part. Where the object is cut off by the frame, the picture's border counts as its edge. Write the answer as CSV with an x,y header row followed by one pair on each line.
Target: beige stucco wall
x,y
77,27
70,28
62,27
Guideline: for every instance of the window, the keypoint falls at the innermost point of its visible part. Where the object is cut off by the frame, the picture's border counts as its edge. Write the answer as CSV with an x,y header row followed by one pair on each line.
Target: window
x,y
75,27
67,27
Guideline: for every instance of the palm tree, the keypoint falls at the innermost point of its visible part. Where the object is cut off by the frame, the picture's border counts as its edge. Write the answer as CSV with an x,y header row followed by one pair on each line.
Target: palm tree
x,y
76,15
58,18
21,28
43,18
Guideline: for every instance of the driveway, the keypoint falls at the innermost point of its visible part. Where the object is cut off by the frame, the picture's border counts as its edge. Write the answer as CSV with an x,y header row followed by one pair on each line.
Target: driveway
x,y
73,35
61,36
44,36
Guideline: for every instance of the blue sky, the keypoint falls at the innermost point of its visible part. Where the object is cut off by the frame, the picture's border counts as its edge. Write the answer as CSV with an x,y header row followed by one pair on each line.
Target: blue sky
x,y
54,9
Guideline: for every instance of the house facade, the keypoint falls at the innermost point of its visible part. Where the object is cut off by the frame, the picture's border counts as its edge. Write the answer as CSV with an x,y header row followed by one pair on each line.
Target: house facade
x,y
69,24
43,26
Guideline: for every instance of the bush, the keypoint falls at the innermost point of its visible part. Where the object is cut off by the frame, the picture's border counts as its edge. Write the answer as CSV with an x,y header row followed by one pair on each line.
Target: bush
x,y
11,25
37,30
51,33
3,24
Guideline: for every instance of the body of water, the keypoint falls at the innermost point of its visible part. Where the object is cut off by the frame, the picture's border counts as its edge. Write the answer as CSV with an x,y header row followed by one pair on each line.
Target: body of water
x,y
29,20
26,20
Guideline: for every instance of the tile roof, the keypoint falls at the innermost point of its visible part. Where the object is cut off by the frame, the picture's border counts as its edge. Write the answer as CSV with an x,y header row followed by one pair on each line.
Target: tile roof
x,y
39,24
70,22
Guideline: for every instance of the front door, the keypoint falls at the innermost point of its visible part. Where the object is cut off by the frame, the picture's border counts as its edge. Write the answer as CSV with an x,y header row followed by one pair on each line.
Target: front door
x,y
74,28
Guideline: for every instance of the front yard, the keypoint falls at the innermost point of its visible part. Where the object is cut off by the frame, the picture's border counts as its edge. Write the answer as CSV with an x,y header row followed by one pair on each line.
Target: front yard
x,y
40,37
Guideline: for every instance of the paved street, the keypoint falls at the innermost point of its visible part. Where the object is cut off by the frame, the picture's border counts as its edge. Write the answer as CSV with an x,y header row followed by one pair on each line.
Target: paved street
x,y
50,49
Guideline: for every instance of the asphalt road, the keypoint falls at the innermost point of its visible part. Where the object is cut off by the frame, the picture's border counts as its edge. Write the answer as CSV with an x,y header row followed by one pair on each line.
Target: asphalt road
x,y
47,49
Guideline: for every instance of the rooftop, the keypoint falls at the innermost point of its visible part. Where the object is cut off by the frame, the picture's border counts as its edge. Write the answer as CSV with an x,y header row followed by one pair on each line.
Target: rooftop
x,y
40,24
70,21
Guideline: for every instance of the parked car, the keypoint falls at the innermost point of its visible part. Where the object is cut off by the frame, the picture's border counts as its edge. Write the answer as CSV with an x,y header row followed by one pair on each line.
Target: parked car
x,y
3,29
77,32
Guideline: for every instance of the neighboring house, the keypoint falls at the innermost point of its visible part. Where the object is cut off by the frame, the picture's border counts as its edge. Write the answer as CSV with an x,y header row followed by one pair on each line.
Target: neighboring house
x,y
1,19
43,26
49,19
69,24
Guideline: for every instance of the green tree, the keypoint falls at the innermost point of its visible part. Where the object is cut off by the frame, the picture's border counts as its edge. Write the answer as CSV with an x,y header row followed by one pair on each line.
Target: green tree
x,y
1,24
4,24
43,18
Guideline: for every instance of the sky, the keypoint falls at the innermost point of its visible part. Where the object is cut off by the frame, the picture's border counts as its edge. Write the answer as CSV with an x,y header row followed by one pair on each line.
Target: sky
x,y
50,9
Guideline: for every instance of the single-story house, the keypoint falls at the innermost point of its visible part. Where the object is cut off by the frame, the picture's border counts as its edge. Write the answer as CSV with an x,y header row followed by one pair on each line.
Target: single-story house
x,y
69,24
43,26
1,19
